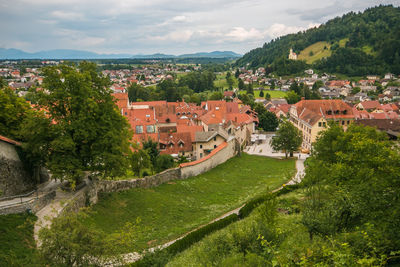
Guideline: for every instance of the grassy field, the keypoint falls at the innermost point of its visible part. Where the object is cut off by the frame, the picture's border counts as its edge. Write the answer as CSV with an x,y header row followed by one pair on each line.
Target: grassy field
x,y
172,209
319,50
220,81
273,93
235,244
17,246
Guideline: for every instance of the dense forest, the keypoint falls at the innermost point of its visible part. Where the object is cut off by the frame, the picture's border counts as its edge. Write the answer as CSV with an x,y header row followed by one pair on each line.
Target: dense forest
x,y
361,43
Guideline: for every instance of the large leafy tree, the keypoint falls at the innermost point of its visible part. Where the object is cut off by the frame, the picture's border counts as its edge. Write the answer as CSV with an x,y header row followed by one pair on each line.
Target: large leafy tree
x,y
89,134
13,111
288,138
353,182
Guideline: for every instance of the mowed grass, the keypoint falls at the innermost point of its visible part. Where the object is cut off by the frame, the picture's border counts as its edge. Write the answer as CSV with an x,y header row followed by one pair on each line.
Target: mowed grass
x,y
319,50
273,93
17,246
170,210
220,81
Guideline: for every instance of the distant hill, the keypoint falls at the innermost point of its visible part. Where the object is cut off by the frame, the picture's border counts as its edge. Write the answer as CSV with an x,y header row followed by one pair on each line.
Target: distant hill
x,y
355,44
80,54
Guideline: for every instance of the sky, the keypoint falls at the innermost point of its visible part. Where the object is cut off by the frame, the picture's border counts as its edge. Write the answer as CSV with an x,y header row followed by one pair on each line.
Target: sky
x,y
161,26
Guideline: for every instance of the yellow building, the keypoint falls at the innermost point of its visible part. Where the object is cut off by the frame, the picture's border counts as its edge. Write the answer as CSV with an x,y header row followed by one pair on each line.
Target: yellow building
x,y
312,116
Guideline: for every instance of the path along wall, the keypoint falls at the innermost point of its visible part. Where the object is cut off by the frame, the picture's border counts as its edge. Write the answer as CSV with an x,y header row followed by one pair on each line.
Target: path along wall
x,y
218,156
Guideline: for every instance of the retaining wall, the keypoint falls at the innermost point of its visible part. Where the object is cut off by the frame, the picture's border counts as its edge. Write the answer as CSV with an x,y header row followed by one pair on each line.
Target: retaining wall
x,y
34,204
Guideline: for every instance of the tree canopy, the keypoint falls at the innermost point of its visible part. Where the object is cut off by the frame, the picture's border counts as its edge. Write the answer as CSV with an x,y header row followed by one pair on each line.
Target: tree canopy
x,y
88,132
288,138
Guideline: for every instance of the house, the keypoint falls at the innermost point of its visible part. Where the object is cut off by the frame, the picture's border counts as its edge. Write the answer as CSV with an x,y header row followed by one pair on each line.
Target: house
x,y
368,105
390,126
312,116
389,76
205,142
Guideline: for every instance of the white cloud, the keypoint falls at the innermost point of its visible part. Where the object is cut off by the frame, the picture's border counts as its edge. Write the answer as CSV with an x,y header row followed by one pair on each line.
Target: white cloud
x,y
241,34
175,36
64,15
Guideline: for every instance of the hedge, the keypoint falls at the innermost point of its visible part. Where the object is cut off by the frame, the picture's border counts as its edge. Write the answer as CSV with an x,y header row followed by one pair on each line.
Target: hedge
x,y
161,257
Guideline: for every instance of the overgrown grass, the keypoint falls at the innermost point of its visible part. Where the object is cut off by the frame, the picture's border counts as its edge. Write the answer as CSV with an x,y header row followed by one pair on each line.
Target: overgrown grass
x,y
315,52
220,81
17,245
172,209
273,93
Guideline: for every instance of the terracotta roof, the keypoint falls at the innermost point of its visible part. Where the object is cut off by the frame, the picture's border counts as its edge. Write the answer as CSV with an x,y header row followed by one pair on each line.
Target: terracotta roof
x,y
373,104
175,142
383,125
192,129
328,108
10,141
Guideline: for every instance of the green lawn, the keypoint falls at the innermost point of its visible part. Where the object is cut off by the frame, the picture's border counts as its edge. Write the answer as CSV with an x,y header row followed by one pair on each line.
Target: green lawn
x,y
17,246
172,209
220,81
273,93
318,51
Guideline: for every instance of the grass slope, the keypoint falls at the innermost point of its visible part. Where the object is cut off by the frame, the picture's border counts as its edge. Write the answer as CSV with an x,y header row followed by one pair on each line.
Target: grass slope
x,y
172,209
318,50
220,81
17,246
273,93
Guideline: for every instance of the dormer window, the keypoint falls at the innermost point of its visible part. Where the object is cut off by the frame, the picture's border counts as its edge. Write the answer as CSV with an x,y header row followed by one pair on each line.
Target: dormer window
x,y
344,112
329,112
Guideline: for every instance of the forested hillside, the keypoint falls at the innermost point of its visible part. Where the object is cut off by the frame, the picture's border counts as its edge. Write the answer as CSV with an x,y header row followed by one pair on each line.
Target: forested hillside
x,y
361,43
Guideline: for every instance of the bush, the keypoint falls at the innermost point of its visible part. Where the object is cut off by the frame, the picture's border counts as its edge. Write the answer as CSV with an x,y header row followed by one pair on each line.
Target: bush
x,y
164,162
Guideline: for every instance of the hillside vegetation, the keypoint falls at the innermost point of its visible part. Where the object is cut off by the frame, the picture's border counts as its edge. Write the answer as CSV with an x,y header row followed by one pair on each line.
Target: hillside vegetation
x,y
170,210
315,52
360,44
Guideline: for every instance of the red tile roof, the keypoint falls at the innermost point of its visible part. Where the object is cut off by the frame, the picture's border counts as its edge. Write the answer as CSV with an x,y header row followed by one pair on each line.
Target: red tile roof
x,y
373,104
175,142
10,141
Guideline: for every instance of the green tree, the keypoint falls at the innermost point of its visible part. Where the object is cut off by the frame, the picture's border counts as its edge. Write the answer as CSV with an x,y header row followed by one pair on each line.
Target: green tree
x,y
13,111
241,84
292,97
164,162
136,92
216,96
288,138
353,182
268,121
249,89
272,85
237,73
261,93
152,149
267,96
139,160
89,133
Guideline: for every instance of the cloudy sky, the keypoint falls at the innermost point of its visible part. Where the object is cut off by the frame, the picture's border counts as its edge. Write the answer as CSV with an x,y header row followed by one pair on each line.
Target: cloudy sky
x,y
165,26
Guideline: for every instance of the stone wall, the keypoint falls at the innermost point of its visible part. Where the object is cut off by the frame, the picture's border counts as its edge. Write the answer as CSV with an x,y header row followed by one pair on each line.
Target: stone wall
x,y
106,186
218,156
14,179
34,204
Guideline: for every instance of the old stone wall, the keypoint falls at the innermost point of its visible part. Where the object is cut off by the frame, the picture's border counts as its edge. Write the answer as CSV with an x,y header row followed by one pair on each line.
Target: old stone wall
x,y
14,179
34,204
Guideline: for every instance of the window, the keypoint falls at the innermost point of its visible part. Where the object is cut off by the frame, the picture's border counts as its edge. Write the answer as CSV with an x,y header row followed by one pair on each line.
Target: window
x,y
215,146
201,146
139,129
171,145
126,113
348,122
324,124
215,138
150,128
201,155
319,124
342,122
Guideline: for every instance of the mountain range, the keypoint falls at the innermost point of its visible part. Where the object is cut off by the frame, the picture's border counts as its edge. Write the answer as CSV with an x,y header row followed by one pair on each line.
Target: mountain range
x,y
80,54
